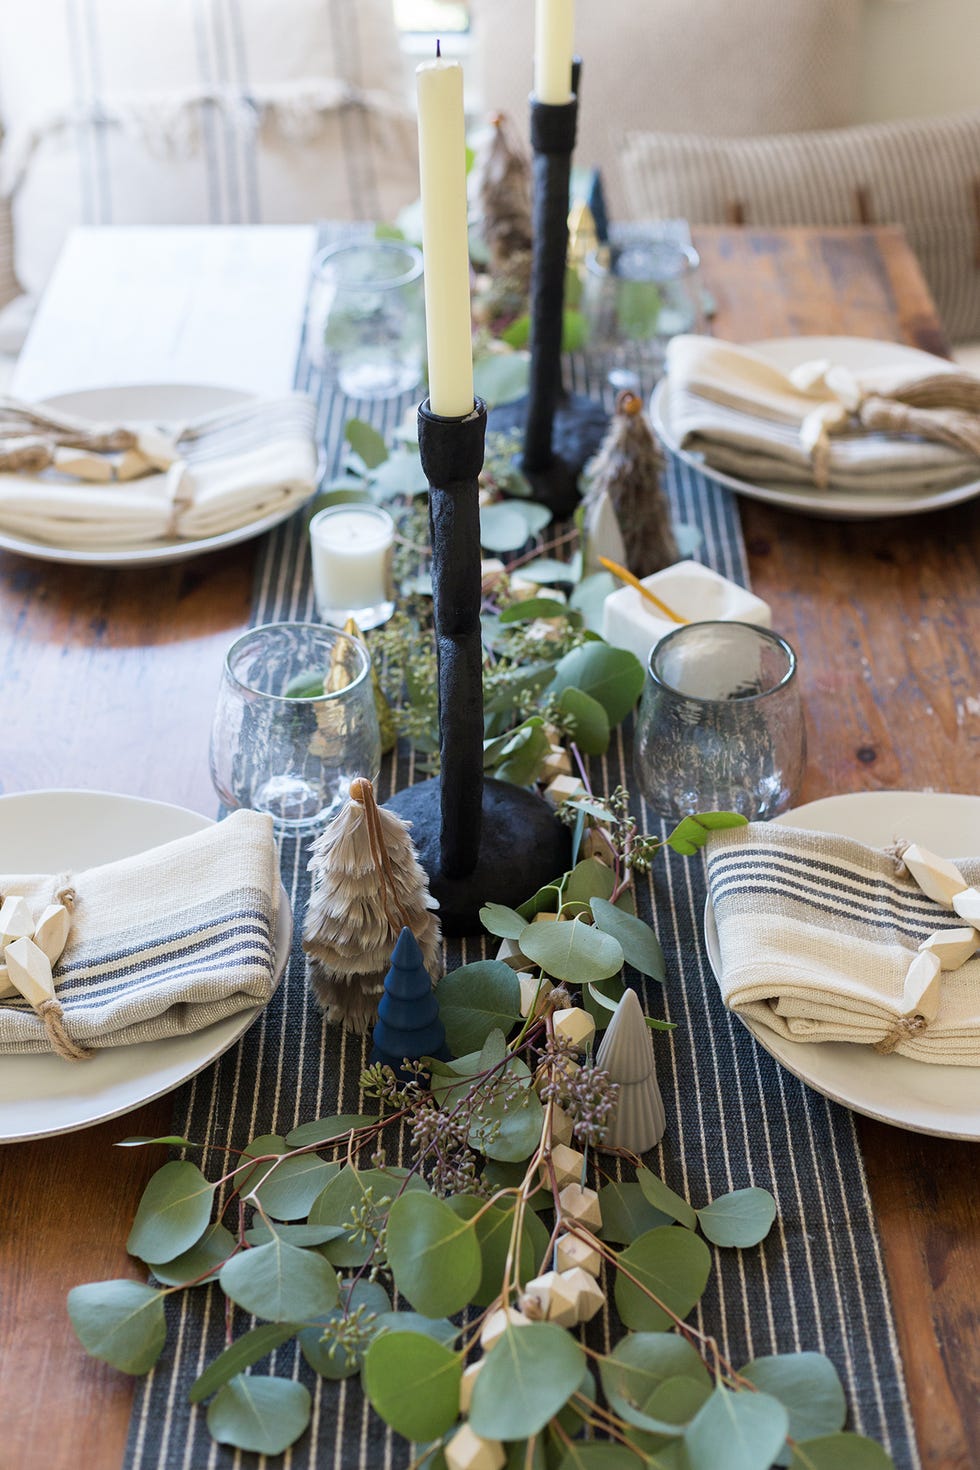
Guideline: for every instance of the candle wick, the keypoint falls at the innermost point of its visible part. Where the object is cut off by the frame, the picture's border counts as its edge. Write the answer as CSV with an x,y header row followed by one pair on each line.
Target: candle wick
x,y
438,50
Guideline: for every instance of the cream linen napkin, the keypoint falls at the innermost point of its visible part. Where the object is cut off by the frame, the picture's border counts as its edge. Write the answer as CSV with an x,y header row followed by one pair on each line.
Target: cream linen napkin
x,y
816,935
230,468
892,430
161,944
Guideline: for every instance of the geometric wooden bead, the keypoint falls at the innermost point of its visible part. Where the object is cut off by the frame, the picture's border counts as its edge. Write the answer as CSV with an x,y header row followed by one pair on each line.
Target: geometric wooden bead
x,y
563,788
554,1299
557,762
467,1451
572,1251
497,1324
51,933
575,1026
920,995
952,946
567,1163
561,1125
580,1205
967,905
534,993
585,1292
936,876
30,970
466,1386
16,920
7,989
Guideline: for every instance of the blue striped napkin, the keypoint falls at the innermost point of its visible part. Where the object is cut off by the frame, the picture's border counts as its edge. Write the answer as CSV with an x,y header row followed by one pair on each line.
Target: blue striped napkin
x,y
163,943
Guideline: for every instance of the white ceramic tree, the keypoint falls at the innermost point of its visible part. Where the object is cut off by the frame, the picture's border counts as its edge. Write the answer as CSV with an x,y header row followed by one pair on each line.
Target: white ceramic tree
x,y
626,1053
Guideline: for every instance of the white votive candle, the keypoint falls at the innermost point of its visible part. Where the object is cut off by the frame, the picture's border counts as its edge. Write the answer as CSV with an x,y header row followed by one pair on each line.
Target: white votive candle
x,y
696,593
351,548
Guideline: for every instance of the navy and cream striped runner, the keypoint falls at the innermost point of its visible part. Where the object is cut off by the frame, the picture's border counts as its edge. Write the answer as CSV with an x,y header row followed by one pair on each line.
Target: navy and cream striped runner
x,y
735,1118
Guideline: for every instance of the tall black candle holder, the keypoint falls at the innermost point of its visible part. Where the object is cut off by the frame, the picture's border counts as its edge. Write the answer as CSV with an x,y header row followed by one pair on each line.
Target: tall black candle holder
x,y
478,840
561,430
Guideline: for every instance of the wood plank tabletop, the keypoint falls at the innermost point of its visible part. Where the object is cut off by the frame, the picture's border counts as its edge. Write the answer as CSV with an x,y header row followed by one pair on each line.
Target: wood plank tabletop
x,y
109,680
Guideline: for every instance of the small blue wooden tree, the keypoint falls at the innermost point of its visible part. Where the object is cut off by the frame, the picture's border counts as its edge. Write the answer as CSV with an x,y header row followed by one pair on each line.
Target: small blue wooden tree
x,y
408,1013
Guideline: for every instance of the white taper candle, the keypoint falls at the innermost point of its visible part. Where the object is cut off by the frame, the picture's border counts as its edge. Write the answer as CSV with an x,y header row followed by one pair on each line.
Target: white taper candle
x,y
445,237
554,35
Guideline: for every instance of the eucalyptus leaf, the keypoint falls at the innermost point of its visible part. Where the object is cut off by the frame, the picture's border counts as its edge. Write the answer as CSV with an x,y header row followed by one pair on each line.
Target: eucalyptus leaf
x,y
527,1376
691,833
502,528
807,1386
280,1282
140,1140
475,1000
508,1125
121,1322
534,607
301,1235
250,1348
173,1212
506,689
627,1213
412,1381
288,1191
401,474
536,515
547,569
677,1401
351,1194
433,1255
572,951
641,1363
522,765
613,676
741,1218
589,597
365,440
598,1455
324,1130
840,1452
601,1000
662,1197
493,1232
518,332
588,879
267,1143
640,945
588,723
498,919
438,1327
545,901
265,1415
205,1256
742,1431
501,377
671,1263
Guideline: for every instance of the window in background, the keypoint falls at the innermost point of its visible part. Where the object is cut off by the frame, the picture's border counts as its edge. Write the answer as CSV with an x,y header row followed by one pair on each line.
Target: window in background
x,y
432,16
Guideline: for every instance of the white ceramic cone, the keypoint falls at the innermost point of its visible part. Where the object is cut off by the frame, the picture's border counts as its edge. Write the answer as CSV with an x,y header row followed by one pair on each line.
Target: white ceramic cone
x,y
626,1053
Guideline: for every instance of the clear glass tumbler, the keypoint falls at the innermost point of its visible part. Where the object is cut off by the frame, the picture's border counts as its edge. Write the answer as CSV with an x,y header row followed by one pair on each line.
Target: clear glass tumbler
x,y
638,292
295,723
366,318
721,726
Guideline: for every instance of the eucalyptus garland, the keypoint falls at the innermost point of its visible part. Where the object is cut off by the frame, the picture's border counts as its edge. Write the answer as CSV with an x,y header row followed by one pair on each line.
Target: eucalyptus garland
x,y
504,1233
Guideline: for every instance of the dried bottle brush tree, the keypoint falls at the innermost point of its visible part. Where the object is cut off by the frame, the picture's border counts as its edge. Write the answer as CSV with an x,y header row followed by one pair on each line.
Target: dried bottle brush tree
x,y
367,887
629,469
503,173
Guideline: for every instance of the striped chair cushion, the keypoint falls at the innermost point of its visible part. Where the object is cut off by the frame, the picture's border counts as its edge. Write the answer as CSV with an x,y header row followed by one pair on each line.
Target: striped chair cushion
x,y
199,112
923,174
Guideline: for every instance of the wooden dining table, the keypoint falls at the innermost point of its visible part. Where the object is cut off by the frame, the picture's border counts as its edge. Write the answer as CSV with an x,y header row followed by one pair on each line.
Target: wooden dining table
x,y
108,683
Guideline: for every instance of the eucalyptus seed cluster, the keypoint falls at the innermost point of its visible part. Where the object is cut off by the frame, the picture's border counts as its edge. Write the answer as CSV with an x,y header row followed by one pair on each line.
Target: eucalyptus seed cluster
x,y
586,1093
442,1138
347,1336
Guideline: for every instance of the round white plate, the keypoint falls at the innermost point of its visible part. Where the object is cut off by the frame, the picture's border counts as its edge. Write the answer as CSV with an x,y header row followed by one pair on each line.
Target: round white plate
x,y
920,1096
786,353
46,831
156,403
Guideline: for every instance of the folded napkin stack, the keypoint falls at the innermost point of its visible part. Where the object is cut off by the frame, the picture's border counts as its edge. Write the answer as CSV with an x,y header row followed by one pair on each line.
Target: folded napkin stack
x,y
902,428
160,944
817,934
79,484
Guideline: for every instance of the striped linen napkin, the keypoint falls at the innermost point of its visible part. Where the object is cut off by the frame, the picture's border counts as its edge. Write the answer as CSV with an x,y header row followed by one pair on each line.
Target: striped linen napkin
x,y
161,944
211,475
816,934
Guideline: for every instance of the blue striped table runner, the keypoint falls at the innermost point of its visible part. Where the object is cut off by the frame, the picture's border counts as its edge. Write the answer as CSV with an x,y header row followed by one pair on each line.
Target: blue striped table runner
x,y
735,1118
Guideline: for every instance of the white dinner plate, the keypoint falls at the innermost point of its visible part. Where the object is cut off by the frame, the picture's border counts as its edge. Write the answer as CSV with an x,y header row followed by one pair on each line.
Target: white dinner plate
x,y
786,353
165,404
920,1096
48,831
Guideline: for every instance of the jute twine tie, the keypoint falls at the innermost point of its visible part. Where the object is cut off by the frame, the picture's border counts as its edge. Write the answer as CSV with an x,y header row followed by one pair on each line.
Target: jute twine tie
x,y
903,1030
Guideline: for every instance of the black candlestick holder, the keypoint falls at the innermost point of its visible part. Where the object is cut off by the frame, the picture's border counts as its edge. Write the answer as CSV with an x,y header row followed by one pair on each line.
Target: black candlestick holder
x,y
478,840
561,430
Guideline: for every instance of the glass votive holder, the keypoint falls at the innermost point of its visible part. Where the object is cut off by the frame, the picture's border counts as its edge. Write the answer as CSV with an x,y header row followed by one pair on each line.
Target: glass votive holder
x,y
351,547
366,317
295,723
638,292
720,726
